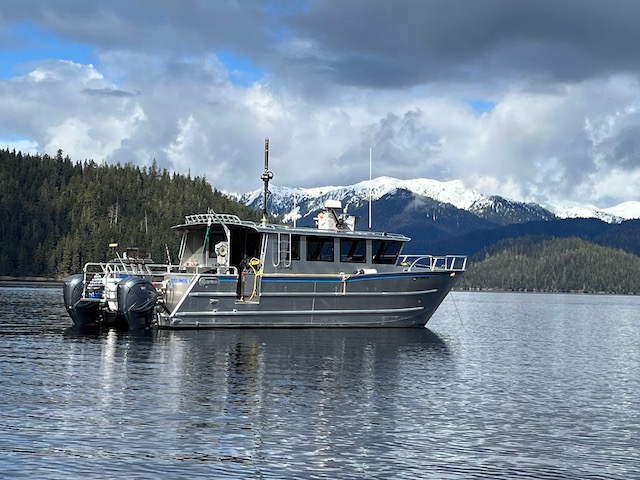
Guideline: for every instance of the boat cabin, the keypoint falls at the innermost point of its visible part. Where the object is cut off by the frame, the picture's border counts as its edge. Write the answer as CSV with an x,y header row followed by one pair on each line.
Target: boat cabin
x,y
215,243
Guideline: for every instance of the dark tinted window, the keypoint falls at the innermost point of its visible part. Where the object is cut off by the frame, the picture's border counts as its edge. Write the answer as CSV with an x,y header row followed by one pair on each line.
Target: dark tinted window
x,y
353,250
320,249
386,251
295,247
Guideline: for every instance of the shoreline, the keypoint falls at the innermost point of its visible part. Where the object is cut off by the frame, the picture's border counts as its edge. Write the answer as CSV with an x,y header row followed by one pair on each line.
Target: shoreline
x,y
534,291
6,280
29,281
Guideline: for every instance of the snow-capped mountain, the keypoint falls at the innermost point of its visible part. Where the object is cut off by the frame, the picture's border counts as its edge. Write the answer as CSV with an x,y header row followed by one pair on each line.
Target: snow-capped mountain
x,y
304,203
438,216
617,214
282,199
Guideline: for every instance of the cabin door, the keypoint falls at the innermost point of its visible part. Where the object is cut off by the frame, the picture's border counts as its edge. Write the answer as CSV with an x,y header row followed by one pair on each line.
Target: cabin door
x,y
246,254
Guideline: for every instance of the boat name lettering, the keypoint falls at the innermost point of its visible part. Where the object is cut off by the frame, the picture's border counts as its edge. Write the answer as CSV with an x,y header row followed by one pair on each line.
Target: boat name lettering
x,y
179,280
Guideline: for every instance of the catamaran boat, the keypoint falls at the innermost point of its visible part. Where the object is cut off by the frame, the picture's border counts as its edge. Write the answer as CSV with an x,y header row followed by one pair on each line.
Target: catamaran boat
x,y
240,274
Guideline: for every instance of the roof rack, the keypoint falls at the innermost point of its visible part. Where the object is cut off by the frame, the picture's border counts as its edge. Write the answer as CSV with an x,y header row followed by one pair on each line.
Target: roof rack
x,y
211,218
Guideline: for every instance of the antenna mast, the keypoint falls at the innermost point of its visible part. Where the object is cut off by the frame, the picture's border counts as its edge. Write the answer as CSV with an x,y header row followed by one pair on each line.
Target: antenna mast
x,y
370,189
266,176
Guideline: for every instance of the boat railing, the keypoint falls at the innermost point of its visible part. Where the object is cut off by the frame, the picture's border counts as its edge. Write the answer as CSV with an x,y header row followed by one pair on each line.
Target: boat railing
x,y
97,275
452,263
212,218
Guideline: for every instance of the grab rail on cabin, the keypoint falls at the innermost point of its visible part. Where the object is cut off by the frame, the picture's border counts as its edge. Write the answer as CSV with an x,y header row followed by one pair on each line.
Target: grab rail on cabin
x,y
282,252
452,263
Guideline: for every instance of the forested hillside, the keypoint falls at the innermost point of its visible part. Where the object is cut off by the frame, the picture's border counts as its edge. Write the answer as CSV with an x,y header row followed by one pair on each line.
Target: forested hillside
x,y
553,265
624,235
56,214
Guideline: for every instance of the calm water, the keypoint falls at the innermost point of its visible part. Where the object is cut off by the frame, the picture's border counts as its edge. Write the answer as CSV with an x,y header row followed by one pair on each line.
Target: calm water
x,y
500,386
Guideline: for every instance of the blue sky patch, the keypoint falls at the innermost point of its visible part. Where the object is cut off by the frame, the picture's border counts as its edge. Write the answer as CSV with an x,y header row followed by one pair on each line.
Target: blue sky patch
x,y
479,105
24,43
242,71
21,143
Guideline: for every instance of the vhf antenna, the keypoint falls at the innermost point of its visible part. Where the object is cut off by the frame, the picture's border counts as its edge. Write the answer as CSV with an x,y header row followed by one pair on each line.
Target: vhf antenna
x,y
266,176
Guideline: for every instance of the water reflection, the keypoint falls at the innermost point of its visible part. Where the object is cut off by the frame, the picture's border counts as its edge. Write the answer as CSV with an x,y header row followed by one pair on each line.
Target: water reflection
x,y
516,386
254,362
295,397
260,398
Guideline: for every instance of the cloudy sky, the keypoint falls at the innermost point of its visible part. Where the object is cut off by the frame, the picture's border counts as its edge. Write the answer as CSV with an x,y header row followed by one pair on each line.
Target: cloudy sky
x,y
535,100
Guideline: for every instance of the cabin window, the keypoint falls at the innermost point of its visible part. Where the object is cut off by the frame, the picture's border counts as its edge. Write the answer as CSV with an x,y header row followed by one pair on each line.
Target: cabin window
x,y
295,247
320,249
353,250
385,251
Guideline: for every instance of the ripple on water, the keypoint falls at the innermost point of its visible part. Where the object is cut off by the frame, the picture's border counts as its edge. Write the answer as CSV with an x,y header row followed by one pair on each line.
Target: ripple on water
x,y
519,386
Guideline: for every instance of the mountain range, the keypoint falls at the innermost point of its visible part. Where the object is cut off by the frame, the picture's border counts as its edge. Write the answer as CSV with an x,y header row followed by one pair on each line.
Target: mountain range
x,y
440,214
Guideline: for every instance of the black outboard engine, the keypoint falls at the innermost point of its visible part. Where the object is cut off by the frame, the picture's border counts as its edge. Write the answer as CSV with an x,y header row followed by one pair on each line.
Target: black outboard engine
x,y
136,301
82,312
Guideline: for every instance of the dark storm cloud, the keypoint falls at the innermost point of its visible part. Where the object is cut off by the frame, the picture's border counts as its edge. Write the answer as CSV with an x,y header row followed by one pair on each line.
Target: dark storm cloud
x,y
626,150
108,92
377,43
405,42
160,25
529,99
405,143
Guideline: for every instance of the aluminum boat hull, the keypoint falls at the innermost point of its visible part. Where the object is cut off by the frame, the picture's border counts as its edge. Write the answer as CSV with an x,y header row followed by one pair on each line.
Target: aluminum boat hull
x,y
378,300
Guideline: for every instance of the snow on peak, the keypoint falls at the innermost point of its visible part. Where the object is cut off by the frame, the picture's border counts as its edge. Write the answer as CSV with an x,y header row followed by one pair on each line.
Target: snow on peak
x,y
453,192
616,214
626,210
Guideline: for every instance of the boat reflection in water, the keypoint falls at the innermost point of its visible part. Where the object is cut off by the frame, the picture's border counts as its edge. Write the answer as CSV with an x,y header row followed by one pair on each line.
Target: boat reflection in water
x,y
287,385
256,398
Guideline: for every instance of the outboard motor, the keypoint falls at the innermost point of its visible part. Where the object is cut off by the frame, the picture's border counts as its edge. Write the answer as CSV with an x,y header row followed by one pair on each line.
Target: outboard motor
x,y
82,312
136,301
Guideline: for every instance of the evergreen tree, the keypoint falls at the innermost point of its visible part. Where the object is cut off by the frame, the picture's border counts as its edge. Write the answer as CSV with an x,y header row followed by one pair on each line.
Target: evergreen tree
x,y
56,215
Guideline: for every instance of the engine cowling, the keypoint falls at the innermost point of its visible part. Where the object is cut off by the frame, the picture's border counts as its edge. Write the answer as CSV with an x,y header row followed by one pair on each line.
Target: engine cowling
x,y
83,312
137,299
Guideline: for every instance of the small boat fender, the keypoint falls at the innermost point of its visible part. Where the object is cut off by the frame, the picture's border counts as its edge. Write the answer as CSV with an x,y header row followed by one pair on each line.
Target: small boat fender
x,y
366,271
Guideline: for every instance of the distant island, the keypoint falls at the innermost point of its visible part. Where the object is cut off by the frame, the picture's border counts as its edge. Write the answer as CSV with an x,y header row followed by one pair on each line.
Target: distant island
x,y
546,264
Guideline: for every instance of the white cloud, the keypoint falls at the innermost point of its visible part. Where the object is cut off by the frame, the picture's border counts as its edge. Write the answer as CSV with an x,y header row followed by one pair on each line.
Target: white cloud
x,y
189,142
23,145
330,86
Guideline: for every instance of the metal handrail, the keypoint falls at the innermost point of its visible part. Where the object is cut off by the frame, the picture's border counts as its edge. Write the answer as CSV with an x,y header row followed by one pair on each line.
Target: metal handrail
x,y
108,268
212,218
453,263
153,271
